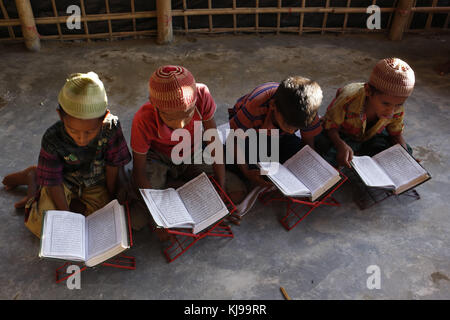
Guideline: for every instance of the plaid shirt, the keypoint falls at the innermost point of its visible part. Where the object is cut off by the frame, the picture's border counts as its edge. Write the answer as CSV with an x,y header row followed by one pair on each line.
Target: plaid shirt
x,y
346,113
252,111
62,161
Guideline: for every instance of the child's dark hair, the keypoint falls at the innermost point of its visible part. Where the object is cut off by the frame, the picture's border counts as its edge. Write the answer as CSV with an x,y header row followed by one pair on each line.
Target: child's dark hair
x,y
298,99
374,90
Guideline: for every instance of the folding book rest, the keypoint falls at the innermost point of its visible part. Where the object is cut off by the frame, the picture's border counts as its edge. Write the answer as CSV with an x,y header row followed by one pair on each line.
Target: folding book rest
x,y
366,197
120,261
183,239
298,209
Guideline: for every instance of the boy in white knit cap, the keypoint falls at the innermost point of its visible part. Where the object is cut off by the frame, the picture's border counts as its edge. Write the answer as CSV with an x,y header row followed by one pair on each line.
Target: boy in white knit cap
x,y
80,158
366,118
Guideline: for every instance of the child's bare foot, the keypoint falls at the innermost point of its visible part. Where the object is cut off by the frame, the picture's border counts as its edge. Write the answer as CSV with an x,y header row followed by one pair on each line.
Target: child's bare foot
x,y
18,178
22,203
24,177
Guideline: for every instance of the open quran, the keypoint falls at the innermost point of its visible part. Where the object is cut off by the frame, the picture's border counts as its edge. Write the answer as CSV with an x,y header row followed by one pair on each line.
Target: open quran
x,y
195,205
306,174
92,239
392,169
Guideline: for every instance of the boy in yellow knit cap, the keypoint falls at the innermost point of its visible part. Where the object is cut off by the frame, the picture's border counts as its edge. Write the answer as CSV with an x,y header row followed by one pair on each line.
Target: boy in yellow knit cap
x,y
366,118
80,158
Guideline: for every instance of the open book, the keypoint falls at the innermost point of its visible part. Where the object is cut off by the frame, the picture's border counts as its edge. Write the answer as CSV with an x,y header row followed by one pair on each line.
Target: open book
x,y
92,239
392,169
306,174
195,205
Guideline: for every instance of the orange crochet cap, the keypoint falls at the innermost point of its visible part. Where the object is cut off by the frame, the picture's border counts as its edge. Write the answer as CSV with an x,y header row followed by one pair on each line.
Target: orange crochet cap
x,y
393,76
172,88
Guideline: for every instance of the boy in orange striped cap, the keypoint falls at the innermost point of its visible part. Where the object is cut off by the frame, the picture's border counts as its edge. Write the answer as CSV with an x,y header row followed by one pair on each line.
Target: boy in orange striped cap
x,y
366,118
176,102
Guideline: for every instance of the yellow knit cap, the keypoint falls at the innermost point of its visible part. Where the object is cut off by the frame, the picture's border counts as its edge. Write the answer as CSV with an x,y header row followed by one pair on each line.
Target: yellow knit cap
x,y
83,96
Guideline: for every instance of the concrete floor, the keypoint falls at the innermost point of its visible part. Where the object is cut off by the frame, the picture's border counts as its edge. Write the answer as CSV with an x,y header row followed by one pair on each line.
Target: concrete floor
x,y
324,257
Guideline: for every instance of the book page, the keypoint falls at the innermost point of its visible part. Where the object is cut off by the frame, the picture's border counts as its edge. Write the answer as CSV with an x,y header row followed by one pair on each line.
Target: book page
x,y
202,202
399,165
63,235
167,208
104,229
285,180
311,169
371,174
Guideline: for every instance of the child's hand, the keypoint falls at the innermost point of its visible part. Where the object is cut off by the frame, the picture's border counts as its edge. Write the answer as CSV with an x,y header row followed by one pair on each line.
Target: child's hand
x,y
344,155
255,177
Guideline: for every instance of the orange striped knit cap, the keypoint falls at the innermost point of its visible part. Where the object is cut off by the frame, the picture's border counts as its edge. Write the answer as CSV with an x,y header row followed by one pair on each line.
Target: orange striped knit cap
x,y
393,76
172,88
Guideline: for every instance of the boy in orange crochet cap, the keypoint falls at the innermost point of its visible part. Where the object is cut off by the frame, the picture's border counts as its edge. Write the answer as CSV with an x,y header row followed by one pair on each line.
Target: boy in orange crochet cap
x,y
176,102
366,118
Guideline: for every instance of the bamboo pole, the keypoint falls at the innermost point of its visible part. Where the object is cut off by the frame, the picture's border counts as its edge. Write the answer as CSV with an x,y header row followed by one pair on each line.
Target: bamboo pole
x,y
391,15
109,21
210,16
5,15
279,5
133,10
186,24
256,16
400,20
164,14
325,17
29,31
55,12
234,18
430,16
302,18
216,11
9,23
344,26
83,14
411,17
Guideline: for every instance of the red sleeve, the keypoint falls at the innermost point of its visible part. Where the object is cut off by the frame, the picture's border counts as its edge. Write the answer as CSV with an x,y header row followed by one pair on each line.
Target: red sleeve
x,y
140,132
206,105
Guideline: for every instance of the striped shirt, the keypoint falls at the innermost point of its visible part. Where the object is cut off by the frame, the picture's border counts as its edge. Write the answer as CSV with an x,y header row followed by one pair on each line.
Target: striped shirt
x,y
62,161
253,111
346,113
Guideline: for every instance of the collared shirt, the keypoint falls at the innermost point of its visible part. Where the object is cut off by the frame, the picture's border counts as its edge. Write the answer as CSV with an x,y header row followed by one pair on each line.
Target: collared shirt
x,y
149,130
253,111
61,160
347,113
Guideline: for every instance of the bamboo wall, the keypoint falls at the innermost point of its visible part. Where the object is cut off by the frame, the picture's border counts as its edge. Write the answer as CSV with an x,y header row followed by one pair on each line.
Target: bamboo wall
x,y
110,19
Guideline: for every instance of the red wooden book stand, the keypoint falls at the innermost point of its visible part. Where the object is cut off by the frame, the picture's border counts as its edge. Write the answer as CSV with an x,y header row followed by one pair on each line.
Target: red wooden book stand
x,y
366,197
182,240
298,209
120,261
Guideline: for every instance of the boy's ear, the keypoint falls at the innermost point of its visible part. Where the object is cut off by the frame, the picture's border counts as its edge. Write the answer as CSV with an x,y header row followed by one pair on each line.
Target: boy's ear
x,y
368,90
59,114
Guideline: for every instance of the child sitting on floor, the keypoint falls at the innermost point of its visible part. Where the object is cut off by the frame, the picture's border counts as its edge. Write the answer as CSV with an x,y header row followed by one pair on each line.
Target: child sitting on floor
x,y
80,158
287,106
366,118
176,102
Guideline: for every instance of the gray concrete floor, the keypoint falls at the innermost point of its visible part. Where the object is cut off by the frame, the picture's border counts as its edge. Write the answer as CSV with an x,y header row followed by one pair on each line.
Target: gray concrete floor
x,y
324,257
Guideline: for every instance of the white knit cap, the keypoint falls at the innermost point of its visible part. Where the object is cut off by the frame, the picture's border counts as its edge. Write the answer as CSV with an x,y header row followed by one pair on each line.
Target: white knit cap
x,y
83,96
393,76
